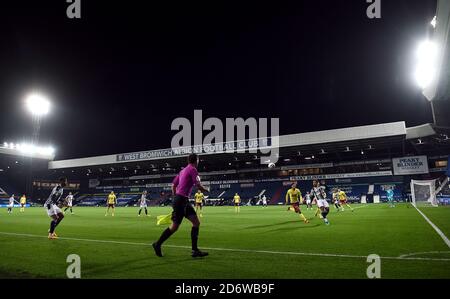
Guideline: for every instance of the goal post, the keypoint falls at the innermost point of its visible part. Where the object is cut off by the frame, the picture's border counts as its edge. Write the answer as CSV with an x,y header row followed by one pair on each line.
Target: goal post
x,y
423,193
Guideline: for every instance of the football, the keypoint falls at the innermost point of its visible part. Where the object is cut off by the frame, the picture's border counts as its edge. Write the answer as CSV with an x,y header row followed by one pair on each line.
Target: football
x,y
271,165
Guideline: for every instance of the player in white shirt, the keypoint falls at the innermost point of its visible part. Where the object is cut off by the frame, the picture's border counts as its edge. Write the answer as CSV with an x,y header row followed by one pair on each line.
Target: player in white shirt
x,y
318,192
143,204
52,208
324,207
11,204
308,201
69,201
264,201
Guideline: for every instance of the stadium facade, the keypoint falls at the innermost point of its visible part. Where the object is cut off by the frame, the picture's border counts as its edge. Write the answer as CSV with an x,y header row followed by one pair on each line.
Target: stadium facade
x,y
364,161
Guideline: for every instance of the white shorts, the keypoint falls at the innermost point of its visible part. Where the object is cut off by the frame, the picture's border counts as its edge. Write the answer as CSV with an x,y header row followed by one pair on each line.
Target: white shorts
x,y
264,202
10,206
69,204
143,206
308,201
54,210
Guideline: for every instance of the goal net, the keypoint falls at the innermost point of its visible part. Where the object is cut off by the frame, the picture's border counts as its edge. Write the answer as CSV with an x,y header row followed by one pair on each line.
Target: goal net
x,y
423,193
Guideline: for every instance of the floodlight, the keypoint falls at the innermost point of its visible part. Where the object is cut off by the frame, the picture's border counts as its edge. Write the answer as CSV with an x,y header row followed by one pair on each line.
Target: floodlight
x,y
426,68
37,104
433,22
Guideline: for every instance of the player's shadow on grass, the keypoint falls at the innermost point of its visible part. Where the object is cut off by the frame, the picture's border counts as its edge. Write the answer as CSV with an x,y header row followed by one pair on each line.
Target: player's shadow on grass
x,y
273,224
290,228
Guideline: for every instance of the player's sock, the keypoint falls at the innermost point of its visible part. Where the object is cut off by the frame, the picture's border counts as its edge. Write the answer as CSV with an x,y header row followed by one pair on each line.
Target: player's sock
x,y
146,213
164,236
139,211
58,221
194,237
52,226
303,217
71,212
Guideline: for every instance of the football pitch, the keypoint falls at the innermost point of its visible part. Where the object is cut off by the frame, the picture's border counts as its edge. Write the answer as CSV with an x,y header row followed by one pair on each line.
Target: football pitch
x,y
256,243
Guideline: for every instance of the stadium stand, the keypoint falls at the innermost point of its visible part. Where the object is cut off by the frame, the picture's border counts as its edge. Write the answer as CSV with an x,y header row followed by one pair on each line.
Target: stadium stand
x,y
359,160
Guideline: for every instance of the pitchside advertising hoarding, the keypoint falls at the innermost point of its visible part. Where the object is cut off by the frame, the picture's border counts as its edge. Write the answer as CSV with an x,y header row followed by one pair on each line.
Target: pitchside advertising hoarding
x,y
410,165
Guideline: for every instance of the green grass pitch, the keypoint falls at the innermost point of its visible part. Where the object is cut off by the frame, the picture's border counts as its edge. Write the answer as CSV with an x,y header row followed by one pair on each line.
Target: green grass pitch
x,y
257,243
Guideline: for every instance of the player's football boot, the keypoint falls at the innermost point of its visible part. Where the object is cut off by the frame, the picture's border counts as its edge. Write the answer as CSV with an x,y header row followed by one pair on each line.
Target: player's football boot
x,y
157,249
198,253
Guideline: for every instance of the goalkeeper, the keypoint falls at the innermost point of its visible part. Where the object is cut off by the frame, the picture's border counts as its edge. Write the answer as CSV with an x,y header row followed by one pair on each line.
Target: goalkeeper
x,y
390,197
181,188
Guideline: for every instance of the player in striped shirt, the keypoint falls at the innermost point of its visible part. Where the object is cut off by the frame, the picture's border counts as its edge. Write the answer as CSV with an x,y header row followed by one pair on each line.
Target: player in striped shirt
x,y
143,204
318,193
11,204
52,208
324,208
69,202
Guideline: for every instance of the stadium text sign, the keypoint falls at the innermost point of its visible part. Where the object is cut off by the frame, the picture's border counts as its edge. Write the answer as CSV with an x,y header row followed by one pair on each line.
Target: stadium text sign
x,y
410,165
233,146
221,137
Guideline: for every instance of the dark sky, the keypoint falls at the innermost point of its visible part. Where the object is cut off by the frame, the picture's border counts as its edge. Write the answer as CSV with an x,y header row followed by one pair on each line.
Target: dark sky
x,y
120,75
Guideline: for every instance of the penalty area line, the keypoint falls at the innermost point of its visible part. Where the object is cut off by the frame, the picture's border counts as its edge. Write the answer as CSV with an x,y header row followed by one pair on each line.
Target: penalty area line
x,y
235,249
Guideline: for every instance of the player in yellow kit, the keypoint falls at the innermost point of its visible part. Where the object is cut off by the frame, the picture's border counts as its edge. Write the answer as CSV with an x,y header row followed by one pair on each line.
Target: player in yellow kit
x,y
343,200
112,201
335,196
237,203
23,201
199,197
294,196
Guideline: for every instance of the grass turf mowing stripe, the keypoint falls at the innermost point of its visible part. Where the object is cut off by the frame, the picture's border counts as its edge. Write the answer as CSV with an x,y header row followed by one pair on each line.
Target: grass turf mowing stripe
x,y
438,231
402,257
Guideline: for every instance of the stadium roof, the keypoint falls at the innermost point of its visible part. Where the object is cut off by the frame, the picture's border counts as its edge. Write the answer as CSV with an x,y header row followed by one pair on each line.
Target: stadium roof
x,y
372,141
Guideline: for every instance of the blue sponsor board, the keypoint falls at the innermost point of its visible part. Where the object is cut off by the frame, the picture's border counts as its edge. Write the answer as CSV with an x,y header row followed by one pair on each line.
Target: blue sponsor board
x,y
15,205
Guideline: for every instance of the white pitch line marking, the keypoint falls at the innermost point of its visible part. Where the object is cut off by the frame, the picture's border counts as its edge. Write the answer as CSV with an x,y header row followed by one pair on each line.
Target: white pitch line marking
x,y
235,250
438,231
426,252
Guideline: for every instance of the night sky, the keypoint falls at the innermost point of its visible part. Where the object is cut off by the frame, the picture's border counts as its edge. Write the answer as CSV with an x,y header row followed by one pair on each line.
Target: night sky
x,y
118,76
